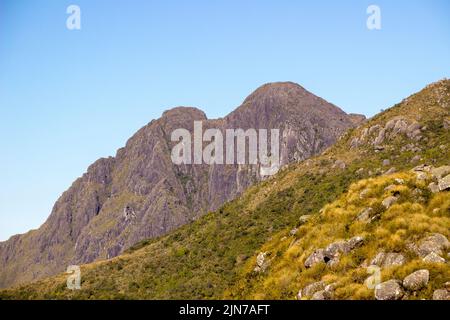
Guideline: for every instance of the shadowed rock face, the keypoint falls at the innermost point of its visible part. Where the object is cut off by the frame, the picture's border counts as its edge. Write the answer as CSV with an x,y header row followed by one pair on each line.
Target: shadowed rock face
x,y
140,194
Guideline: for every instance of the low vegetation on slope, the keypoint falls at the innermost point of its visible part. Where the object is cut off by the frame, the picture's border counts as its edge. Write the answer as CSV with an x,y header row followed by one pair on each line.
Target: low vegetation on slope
x,y
216,256
387,218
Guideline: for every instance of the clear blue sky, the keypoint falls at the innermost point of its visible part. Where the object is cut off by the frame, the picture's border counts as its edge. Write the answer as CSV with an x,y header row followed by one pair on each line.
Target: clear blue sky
x,y
70,97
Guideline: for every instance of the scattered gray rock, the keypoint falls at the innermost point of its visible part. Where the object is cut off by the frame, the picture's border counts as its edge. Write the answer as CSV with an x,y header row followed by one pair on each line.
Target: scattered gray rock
x,y
364,134
386,162
380,138
437,243
339,164
364,215
389,201
422,168
322,295
421,176
317,291
400,127
353,243
333,250
440,172
433,257
374,128
390,124
417,280
311,289
434,188
389,259
261,262
413,130
128,213
293,231
441,294
364,193
354,143
391,171
330,255
444,183
389,290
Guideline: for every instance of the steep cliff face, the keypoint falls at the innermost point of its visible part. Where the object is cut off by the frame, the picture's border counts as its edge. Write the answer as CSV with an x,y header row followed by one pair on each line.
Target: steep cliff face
x,y
140,194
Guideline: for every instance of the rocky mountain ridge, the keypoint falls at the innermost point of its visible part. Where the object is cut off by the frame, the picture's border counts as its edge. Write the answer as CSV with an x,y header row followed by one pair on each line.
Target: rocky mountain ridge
x,y
140,194
319,229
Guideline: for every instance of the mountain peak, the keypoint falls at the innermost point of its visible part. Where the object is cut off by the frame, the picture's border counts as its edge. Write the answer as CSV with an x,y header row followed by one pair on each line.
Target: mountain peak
x,y
276,89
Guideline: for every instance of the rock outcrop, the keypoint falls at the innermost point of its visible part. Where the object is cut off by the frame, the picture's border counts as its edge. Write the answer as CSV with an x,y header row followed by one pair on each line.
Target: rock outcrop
x,y
330,255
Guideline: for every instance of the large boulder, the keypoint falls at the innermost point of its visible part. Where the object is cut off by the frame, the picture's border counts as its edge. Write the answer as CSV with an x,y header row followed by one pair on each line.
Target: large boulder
x,y
417,280
334,249
401,126
413,130
388,259
437,243
433,257
389,290
353,243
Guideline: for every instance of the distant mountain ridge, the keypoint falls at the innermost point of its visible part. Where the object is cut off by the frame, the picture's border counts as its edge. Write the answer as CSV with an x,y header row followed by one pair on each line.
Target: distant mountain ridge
x,y
140,194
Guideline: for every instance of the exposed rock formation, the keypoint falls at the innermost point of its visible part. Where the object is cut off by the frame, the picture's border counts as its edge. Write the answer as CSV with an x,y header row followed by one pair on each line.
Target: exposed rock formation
x,y
330,255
